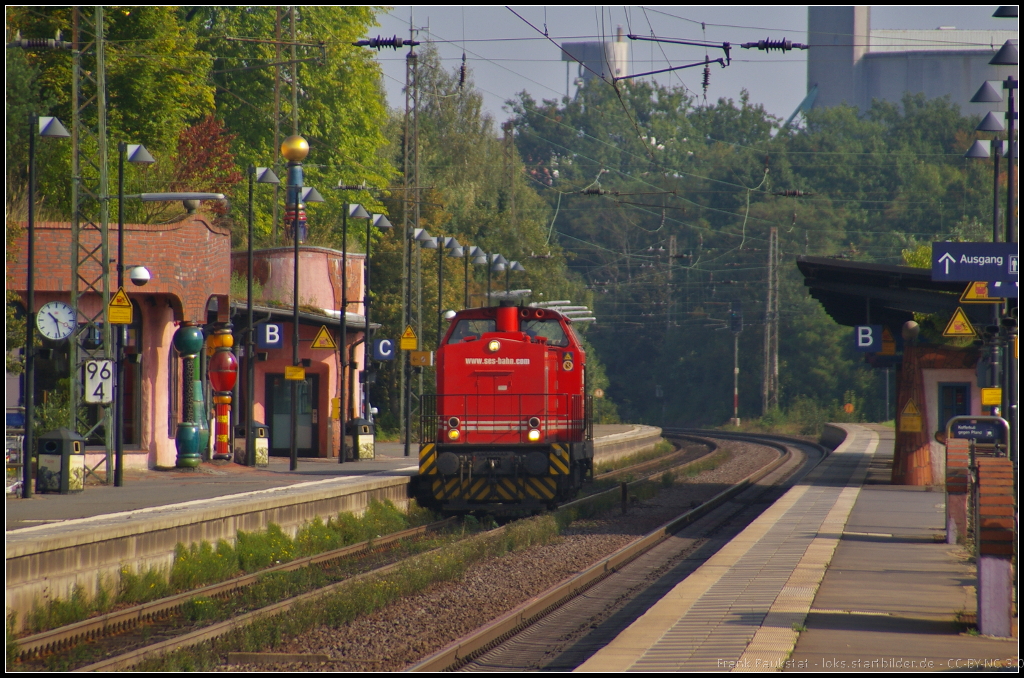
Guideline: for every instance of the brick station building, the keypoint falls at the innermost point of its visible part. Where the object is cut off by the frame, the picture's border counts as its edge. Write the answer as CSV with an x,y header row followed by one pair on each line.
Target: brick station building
x,y
190,262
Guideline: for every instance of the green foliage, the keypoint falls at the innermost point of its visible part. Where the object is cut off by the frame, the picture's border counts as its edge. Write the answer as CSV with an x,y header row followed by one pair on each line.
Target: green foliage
x,y
637,173
258,550
200,608
142,587
201,564
482,193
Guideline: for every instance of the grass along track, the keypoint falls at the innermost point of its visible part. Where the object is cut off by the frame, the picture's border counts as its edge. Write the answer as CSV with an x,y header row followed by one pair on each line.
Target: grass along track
x,y
173,621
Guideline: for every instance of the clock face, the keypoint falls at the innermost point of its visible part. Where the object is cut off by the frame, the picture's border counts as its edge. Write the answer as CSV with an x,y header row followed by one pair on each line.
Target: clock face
x,y
56,320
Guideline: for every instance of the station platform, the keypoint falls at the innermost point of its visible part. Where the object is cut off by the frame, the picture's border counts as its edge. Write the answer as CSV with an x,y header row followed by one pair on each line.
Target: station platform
x,y
56,542
844,573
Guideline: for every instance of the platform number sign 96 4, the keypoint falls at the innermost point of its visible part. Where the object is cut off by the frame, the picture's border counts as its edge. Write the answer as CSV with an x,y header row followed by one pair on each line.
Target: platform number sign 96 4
x,y
99,381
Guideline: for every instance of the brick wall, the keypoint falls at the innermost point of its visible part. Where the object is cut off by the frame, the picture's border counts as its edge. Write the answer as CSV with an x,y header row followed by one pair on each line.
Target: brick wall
x,y
189,261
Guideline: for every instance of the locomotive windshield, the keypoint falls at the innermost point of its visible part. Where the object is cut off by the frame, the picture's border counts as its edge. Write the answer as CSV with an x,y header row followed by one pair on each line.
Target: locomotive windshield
x,y
471,328
550,328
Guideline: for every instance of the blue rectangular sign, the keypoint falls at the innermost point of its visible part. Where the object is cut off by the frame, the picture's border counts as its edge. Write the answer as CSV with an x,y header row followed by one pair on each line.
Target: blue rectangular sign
x,y
867,338
269,335
1003,289
967,261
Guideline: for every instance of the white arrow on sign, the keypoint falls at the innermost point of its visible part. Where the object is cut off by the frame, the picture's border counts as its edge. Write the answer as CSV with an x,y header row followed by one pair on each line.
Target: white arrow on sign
x,y
949,259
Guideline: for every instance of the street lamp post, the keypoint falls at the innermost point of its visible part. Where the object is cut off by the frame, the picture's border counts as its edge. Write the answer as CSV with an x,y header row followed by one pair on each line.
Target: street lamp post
x,y
381,223
475,256
513,266
295,149
356,211
137,154
260,175
495,263
47,127
454,250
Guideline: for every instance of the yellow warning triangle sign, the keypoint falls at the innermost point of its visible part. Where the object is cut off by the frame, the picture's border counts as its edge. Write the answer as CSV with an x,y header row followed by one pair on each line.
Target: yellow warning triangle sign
x,y
959,325
120,299
119,309
324,339
977,293
911,409
408,339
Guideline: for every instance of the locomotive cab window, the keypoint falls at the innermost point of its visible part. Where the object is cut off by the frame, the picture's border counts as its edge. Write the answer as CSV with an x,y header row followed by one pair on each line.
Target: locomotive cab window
x,y
548,327
471,328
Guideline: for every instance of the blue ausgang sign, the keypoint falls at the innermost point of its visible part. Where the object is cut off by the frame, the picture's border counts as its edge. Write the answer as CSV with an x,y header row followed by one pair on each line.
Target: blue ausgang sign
x,y
967,261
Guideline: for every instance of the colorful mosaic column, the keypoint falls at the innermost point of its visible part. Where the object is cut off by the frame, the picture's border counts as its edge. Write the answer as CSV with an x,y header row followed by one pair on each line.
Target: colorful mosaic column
x,y
188,340
223,374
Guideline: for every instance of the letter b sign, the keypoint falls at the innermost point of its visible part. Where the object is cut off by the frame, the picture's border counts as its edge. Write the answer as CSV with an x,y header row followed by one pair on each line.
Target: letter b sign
x,y
867,338
269,335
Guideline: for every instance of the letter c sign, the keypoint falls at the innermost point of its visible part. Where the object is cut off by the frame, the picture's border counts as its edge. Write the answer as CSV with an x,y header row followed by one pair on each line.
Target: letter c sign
x,y
383,349
867,338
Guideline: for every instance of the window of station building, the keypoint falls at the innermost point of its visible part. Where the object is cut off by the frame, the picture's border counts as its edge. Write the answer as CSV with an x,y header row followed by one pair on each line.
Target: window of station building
x,y
547,327
470,327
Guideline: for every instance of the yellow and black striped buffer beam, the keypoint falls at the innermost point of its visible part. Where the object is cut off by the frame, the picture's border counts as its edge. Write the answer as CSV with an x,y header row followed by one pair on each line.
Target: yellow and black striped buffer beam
x,y
558,460
501,490
428,459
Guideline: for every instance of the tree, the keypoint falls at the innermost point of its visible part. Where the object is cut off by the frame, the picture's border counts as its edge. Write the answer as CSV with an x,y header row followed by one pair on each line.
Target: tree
x,y
341,110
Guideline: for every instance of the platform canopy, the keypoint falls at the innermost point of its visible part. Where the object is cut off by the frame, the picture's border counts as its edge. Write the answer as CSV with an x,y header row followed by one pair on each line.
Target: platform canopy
x,y
858,293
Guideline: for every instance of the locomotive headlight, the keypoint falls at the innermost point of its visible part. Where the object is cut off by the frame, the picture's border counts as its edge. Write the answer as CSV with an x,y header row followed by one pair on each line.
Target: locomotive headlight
x,y
453,422
534,422
493,345
453,434
533,435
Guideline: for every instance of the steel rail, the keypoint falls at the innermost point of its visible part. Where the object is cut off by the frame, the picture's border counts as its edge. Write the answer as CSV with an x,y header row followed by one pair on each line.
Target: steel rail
x,y
472,645
65,637
115,622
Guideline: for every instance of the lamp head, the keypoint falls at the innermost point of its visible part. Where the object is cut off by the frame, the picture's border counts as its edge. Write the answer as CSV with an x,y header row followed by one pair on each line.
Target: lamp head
x,y
294,148
139,275
264,175
356,211
381,223
51,127
137,154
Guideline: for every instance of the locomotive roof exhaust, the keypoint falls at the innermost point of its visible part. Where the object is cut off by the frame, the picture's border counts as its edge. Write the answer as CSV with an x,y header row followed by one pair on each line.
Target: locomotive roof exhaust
x,y
508,317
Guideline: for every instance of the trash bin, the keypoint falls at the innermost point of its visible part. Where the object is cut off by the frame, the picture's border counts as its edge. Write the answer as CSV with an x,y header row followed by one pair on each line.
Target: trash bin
x,y
260,443
61,465
362,433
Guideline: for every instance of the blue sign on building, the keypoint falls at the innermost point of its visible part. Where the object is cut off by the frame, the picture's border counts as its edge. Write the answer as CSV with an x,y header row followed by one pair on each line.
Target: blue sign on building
x,y
967,261
980,431
867,338
383,349
269,335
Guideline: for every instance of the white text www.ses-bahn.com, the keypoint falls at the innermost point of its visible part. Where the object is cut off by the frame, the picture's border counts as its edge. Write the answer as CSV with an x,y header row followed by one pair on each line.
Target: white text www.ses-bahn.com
x,y
497,361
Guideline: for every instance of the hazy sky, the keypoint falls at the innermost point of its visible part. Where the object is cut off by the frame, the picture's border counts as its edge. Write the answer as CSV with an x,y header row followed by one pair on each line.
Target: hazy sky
x,y
507,56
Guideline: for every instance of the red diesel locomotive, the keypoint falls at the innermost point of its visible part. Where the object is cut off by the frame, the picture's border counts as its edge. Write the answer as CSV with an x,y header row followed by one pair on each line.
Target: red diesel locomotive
x,y
510,427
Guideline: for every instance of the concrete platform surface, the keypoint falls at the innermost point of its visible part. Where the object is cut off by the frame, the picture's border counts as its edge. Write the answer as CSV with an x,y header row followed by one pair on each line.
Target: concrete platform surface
x,y
843,573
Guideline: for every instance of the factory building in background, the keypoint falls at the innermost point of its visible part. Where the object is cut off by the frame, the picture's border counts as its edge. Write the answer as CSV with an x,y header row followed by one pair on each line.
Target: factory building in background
x,y
849,63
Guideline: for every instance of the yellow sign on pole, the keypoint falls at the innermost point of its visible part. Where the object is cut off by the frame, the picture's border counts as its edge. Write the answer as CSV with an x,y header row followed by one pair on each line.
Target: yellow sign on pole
x,y
335,408
910,418
959,325
991,396
324,339
119,310
421,358
977,293
408,340
888,343
296,373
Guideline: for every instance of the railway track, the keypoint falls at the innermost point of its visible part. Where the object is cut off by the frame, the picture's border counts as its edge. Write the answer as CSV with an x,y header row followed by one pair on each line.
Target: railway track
x,y
112,627
561,628
121,621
